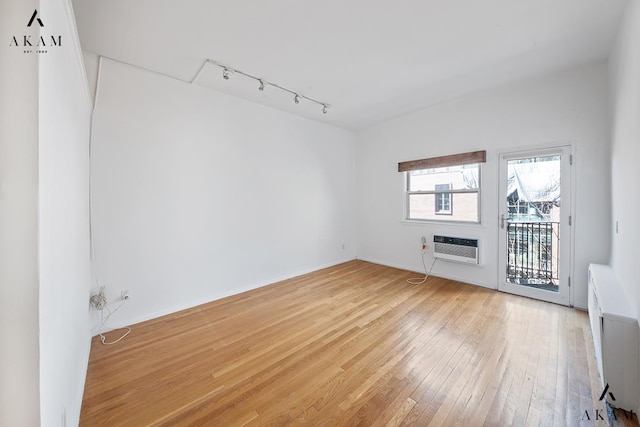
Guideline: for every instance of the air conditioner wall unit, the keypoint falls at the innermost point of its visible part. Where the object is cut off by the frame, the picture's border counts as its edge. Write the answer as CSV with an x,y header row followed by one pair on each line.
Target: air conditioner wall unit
x,y
615,337
456,249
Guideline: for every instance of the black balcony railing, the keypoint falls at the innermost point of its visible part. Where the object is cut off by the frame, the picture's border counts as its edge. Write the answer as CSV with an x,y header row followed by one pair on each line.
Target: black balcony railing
x,y
533,253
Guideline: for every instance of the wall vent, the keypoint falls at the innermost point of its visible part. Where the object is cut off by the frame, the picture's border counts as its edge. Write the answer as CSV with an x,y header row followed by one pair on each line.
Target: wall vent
x,y
456,249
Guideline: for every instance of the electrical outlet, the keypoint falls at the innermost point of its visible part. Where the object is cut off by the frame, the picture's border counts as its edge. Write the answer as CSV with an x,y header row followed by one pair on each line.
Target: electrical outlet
x,y
124,294
424,243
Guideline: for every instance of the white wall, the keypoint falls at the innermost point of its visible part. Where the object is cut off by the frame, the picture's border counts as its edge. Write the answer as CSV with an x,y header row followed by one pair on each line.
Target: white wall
x,y
568,106
198,195
65,280
625,112
19,382
624,66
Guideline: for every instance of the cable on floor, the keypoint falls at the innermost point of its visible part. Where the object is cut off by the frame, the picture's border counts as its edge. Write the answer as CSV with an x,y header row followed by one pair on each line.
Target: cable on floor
x,y
421,280
103,325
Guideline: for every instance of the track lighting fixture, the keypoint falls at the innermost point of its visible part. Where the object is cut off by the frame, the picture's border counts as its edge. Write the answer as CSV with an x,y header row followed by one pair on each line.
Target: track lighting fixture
x,y
262,83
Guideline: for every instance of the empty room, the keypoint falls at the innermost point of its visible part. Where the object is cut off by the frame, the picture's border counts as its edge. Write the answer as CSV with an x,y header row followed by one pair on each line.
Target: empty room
x,y
415,213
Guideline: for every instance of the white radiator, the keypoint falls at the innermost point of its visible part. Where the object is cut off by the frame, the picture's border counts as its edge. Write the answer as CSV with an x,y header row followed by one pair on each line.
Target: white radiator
x,y
456,249
615,337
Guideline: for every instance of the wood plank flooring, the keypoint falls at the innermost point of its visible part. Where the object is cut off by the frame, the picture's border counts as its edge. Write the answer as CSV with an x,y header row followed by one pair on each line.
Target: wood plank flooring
x,y
353,344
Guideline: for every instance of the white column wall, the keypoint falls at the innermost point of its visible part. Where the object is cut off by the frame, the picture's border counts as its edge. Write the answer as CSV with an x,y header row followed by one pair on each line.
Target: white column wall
x,y
625,88
19,382
624,69
65,278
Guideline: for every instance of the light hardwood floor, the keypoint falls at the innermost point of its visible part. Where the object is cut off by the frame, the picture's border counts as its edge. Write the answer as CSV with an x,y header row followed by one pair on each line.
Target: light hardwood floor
x,y
353,344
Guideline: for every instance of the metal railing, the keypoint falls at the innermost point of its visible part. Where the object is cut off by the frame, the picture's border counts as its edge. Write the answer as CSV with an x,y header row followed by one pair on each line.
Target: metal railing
x,y
533,253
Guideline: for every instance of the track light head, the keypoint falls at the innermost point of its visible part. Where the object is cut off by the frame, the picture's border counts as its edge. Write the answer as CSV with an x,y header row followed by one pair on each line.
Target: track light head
x,y
261,87
296,99
325,109
225,74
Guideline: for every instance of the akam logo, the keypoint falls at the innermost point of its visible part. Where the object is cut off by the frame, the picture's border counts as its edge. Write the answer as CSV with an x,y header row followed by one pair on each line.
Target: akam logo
x,y
607,414
35,14
39,42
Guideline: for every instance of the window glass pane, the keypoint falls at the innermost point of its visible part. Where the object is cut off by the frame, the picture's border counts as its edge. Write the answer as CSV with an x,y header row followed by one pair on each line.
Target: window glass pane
x,y
462,207
456,177
443,203
533,193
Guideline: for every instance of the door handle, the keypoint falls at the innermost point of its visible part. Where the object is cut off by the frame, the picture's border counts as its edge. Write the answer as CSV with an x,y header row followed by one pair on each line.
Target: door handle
x,y
502,221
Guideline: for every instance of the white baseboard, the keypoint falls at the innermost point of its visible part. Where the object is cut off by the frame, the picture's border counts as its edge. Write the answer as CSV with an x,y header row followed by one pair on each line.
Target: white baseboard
x,y
207,299
444,276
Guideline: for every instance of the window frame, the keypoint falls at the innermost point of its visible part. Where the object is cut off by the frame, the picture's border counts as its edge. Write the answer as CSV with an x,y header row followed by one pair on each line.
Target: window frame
x,y
444,196
477,191
460,159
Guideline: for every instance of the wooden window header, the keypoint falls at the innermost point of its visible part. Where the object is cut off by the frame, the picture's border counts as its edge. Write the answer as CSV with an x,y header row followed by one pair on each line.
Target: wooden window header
x,y
444,161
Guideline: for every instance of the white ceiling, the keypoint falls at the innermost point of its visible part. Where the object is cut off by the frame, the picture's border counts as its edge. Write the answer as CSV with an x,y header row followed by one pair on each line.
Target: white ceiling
x,y
370,59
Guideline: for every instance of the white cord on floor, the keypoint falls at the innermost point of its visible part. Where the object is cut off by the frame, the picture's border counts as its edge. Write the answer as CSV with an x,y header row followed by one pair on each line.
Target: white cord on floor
x,y
418,280
103,325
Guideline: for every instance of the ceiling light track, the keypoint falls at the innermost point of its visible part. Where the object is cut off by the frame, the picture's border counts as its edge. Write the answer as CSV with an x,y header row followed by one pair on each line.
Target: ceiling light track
x,y
262,84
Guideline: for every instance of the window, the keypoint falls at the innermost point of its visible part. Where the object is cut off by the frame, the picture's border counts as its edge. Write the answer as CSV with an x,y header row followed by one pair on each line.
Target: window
x,y
432,184
443,199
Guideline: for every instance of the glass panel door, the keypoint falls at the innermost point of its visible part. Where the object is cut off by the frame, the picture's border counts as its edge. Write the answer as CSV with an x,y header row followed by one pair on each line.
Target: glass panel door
x,y
535,225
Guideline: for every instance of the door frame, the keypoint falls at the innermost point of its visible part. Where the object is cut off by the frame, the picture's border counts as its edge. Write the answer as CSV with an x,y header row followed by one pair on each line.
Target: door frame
x,y
566,268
